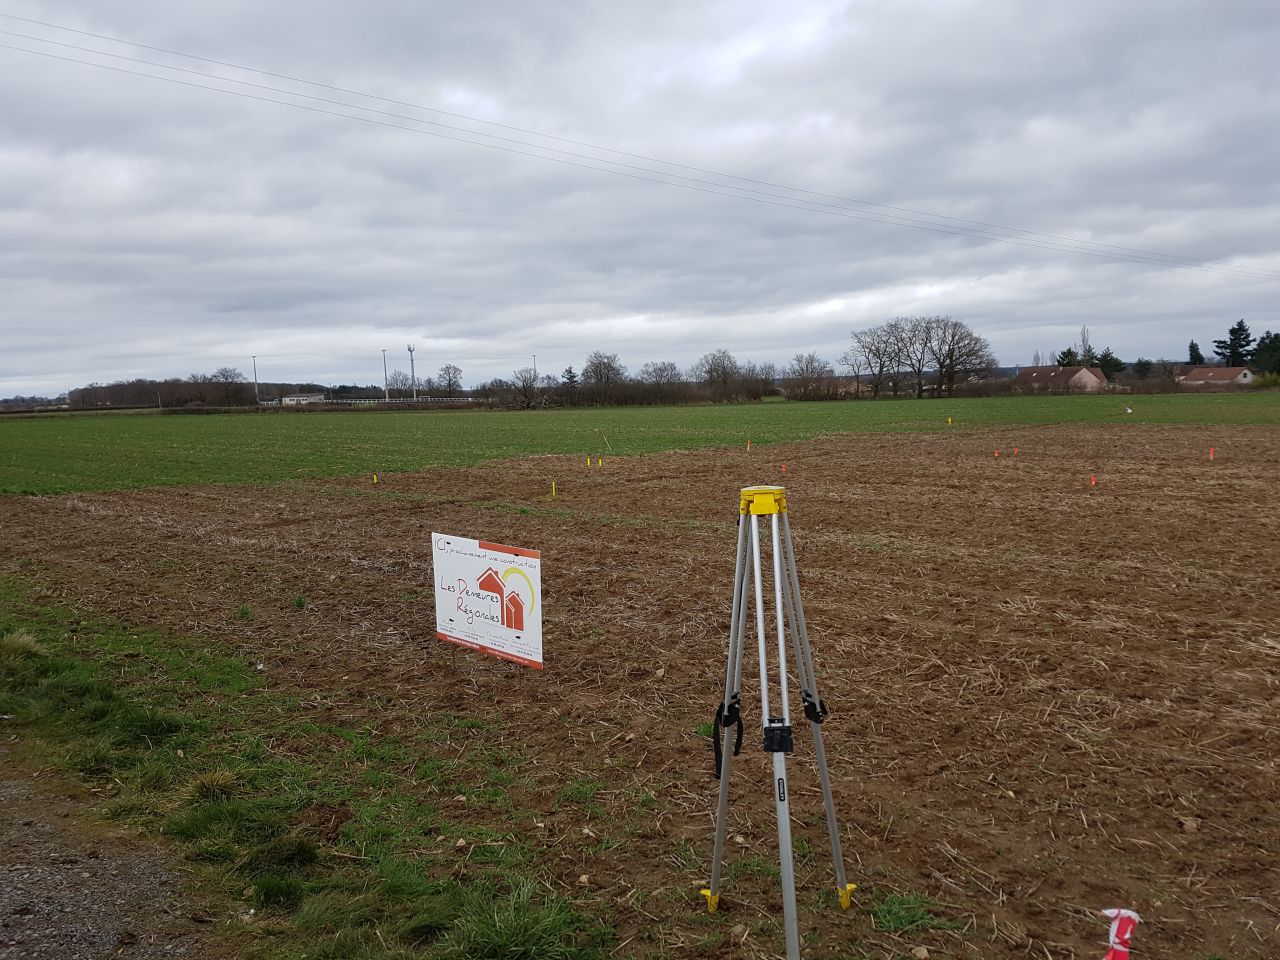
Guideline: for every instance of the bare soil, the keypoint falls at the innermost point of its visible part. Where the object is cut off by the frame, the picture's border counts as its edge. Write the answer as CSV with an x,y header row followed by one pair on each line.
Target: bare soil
x,y
1048,696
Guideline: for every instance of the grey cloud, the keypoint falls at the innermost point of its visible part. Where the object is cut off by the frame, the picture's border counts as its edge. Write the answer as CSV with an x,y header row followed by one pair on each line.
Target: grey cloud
x,y
161,229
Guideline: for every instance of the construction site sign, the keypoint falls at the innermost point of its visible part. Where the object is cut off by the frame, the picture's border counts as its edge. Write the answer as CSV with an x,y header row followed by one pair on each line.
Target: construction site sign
x,y
489,597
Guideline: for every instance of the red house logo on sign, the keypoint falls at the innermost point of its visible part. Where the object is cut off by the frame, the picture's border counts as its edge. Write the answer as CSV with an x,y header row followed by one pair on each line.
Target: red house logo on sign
x,y
511,604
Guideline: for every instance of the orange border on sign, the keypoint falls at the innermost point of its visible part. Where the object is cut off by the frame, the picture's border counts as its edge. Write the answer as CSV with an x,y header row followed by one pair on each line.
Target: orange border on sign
x,y
515,551
500,654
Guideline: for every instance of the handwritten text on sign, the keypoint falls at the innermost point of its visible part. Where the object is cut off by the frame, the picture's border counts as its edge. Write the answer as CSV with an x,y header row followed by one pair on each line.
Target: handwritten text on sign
x,y
489,597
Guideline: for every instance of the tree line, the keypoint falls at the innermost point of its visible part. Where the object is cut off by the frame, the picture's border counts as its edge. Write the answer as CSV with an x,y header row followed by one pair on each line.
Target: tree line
x,y
1239,349
936,354
906,356
229,387
604,380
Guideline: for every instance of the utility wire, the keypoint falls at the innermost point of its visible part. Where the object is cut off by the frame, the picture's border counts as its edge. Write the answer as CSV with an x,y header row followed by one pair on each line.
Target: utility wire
x,y
581,143
1030,240
690,183
878,218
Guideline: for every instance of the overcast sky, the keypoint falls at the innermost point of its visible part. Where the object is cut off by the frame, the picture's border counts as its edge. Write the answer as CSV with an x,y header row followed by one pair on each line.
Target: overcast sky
x,y
149,228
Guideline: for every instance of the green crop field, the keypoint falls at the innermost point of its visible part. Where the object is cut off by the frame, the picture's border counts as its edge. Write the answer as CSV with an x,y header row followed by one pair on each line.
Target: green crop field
x,y
62,453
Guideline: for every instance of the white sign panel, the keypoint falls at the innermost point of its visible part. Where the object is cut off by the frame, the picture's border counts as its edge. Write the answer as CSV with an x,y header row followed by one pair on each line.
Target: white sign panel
x,y
489,597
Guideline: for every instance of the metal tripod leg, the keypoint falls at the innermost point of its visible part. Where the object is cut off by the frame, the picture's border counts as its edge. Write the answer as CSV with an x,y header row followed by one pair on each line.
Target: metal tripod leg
x,y
815,708
778,739
729,716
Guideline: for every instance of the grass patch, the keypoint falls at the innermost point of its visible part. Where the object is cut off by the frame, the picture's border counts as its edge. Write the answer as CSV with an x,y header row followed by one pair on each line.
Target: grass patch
x,y
271,891
330,838
288,854
20,645
580,791
511,925
904,912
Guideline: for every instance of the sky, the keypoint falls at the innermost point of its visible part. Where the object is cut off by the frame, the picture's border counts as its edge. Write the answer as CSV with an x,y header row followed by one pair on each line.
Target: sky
x,y
154,227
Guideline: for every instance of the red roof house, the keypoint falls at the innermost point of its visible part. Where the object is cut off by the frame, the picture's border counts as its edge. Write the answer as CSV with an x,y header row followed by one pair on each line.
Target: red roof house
x,y
1060,379
1198,376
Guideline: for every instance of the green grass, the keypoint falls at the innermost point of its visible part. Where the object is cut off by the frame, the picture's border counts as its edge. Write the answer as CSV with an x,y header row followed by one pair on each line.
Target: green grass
x,y
78,452
903,913
183,741
581,791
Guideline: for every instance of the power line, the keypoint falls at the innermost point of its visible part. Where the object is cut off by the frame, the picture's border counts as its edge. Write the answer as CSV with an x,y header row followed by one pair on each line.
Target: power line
x,y
1029,241
1172,258
689,183
747,192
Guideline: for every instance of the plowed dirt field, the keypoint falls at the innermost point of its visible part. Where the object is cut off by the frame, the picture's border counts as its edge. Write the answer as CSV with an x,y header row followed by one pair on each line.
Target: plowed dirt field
x,y
1048,697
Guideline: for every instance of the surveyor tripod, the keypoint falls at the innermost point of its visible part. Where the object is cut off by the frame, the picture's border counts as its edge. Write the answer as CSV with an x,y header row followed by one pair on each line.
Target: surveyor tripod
x,y
771,502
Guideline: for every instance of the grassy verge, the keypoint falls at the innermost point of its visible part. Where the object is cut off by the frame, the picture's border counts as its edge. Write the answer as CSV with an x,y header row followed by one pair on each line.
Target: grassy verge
x,y
324,840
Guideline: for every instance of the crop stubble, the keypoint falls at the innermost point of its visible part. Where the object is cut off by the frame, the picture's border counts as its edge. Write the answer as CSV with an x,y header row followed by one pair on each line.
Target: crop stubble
x,y
1047,697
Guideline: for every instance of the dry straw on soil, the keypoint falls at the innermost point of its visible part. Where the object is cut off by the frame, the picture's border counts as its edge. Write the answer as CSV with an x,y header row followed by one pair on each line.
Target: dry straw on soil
x,y
1048,697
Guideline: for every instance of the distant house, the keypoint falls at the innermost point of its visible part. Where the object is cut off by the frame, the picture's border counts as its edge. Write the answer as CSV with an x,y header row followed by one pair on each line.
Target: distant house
x,y
299,399
1060,379
1200,376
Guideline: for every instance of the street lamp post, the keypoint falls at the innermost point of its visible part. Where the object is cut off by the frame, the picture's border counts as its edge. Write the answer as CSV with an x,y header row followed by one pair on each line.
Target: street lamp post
x,y
413,376
386,384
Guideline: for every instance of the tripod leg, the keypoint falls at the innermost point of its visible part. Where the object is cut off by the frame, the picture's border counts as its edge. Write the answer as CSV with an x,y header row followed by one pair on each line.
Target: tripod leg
x,y
780,744
843,886
782,806
815,709
729,716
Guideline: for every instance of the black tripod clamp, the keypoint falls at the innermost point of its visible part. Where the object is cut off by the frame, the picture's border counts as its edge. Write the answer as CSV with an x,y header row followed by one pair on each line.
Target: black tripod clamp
x,y
815,711
726,718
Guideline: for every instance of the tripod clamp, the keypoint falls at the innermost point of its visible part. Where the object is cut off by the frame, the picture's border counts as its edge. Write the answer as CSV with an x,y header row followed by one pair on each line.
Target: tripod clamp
x,y
815,710
726,718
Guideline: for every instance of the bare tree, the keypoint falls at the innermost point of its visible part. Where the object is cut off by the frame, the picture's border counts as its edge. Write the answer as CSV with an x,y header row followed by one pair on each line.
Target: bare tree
x,y
720,371
228,377
661,372
399,382
525,383
450,378
757,379
602,374
1088,357
854,360
665,381
910,337
877,349
957,353
809,377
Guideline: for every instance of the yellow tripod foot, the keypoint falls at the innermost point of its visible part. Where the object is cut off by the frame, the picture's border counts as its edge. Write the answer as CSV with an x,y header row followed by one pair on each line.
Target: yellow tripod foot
x,y
846,895
713,900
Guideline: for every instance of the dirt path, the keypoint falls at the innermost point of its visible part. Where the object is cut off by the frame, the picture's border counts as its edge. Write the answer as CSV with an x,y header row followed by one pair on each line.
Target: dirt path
x,y
75,889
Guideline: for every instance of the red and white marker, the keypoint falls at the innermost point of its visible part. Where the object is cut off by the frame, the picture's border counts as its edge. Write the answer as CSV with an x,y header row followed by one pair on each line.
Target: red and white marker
x,y
1123,923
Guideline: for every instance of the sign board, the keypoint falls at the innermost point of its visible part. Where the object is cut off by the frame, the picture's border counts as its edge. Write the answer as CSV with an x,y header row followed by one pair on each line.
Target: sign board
x,y
489,597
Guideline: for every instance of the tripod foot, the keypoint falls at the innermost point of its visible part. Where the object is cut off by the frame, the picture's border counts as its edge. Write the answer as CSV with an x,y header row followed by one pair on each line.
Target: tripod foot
x,y
846,895
713,900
